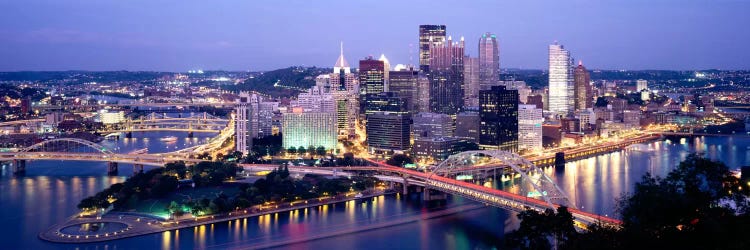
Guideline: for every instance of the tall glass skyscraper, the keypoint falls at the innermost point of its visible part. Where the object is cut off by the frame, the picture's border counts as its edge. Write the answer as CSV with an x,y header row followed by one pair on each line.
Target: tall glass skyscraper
x,y
498,114
489,61
371,76
561,97
429,35
447,77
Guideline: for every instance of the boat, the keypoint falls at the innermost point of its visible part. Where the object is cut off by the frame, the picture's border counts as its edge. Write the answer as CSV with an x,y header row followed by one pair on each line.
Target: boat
x,y
358,195
169,138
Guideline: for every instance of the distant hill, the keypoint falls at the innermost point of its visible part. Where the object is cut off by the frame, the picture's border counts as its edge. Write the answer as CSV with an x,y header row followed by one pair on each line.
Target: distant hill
x,y
282,82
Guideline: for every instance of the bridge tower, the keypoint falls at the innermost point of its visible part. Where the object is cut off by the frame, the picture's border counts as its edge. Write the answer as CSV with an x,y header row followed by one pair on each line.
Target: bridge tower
x,y
19,167
137,169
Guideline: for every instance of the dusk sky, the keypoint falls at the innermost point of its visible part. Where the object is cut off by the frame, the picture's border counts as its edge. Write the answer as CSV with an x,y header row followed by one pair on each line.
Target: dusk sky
x,y
264,35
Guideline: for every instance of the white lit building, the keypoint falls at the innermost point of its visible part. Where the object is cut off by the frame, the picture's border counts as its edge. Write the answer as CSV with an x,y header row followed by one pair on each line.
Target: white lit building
x,y
561,99
315,100
106,117
530,121
640,85
246,122
305,129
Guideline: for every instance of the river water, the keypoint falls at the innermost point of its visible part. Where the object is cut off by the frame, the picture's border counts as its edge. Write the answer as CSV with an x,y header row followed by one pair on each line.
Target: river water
x,y
50,190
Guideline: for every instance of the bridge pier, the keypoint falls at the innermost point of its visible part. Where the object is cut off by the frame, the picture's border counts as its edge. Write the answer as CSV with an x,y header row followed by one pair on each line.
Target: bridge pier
x,y
560,161
190,134
128,134
112,168
433,195
19,167
137,169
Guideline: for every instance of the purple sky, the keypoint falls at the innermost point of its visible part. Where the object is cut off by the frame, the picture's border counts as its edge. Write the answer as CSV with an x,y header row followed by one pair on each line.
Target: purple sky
x,y
263,35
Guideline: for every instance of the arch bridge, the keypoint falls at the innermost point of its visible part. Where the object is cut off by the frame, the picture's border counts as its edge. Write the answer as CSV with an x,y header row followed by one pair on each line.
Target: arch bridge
x,y
82,150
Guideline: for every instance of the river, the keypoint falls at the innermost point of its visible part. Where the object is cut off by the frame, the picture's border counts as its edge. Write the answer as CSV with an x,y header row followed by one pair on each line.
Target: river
x,y
50,190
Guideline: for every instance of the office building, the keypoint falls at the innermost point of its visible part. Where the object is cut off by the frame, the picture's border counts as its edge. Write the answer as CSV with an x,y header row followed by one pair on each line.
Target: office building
x,y
530,121
429,36
385,102
471,81
583,93
403,82
342,77
309,129
641,85
489,60
432,125
246,121
388,133
561,98
467,125
446,77
498,119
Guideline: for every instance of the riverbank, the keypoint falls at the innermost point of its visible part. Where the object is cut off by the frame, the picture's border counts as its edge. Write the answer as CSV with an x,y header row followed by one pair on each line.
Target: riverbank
x,y
138,225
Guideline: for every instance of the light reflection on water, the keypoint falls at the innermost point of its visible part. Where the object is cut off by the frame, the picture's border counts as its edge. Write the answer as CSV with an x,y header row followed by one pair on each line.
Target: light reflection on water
x,y
51,189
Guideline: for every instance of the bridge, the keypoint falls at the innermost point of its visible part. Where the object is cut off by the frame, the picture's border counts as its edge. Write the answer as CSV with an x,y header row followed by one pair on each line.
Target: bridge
x,y
82,150
541,192
201,122
138,104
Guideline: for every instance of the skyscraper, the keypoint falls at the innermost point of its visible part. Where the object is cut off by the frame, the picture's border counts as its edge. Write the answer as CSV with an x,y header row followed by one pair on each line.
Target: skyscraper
x,y
246,121
498,114
471,81
446,77
342,77
529,127
561,98
309,129
403,82
429,35
386,71
432,125
489,61
371,76
583,95
388,133
640,85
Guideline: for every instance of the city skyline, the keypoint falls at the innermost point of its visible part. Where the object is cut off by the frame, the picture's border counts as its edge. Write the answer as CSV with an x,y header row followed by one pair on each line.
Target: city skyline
x,y
235,36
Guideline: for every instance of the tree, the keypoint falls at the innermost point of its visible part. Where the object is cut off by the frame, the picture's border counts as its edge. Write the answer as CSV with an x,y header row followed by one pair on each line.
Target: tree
x,y
291,150
178,168
320,150
301,150
399,160
601,102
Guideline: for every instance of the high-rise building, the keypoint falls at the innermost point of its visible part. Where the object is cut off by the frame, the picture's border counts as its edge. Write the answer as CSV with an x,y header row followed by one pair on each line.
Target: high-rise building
x,y
640,85
246,121
446,77
266,111
315,100
561,98
432,125
403,82
342,77
467,125
386,71
429,35
388,133
423,93
583,92
471,81
309,129
372,76
530,121
385,102
347,112
489,60
498,116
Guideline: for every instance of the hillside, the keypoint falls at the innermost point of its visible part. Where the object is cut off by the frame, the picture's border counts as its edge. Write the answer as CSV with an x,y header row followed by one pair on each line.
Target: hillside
x,y
282,82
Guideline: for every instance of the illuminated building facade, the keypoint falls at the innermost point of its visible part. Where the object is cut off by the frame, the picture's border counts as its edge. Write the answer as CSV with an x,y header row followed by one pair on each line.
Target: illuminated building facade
x,y
530,121
471,81
489,61
429,35
432,125
583,92
309,129
388,133
561,97
447,77
246,121
403,83
498,119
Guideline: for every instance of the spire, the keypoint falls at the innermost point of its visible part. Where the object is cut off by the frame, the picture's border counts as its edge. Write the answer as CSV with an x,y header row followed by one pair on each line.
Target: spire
x,y
580,63
341,63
